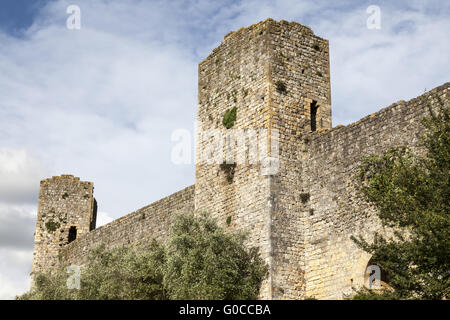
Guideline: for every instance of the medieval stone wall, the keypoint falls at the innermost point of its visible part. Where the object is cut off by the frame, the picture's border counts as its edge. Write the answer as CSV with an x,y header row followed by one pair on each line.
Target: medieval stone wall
x,y
302,215
150,222
335,209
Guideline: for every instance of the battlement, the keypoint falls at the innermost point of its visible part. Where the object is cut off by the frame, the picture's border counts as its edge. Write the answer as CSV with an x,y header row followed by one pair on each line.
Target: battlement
x,y
259,28
263,25
67,178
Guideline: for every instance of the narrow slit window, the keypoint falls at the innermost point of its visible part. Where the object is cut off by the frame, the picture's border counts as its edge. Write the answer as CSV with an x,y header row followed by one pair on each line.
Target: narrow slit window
x,y
313,112
72,233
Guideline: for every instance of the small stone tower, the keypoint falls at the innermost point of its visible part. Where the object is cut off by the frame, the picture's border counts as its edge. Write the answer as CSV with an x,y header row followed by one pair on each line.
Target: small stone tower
x,y
66,210
276,76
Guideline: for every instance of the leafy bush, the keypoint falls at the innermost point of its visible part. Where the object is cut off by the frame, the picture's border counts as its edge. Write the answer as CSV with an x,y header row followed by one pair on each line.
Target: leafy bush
x,y
204,262
199,261
411,192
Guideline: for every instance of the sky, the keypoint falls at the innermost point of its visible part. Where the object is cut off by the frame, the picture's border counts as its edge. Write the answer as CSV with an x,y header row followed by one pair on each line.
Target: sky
x,y
101,102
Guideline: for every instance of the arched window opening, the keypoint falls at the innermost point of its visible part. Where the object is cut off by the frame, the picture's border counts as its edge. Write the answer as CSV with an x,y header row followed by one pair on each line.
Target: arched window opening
x,y
375,277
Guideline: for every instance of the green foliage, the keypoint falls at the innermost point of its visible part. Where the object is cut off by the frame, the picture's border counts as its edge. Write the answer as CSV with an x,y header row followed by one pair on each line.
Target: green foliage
x,y
125,273
204,262
366,294
52,225
281,87
200,261
228,220
118,273
229,117
411,192
48,287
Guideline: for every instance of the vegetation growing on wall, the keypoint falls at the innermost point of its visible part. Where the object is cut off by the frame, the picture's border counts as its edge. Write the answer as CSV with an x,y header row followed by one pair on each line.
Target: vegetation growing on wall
x,y
229,117
52,225
412,193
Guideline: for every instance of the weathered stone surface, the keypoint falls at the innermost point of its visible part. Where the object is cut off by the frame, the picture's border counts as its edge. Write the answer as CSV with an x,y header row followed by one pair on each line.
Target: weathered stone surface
x,y
302,216
64,202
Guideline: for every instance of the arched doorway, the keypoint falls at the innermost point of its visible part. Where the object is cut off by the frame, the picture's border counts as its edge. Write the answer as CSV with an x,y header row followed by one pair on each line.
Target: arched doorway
x,y
375,277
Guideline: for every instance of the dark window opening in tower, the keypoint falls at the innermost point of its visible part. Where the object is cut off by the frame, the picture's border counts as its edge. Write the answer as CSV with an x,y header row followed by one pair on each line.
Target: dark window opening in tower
x,y
313,112
72,233
94,217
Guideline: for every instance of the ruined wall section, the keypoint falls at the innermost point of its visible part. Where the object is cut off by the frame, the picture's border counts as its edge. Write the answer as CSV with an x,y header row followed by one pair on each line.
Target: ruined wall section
x,y
300,62
150,222
335,210
65,203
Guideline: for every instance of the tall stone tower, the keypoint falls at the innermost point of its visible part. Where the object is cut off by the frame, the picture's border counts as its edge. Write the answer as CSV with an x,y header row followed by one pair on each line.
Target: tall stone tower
x,y
66,210
274,76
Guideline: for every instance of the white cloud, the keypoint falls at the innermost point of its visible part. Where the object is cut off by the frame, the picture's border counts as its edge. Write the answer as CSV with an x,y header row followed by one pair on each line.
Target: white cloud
x,y
20,174
101,103
103,218
8,288
15,267
17,225
370,69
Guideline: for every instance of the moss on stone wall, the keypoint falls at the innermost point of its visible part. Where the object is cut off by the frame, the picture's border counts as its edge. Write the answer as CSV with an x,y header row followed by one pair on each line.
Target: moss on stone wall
x,y
52,225
229,117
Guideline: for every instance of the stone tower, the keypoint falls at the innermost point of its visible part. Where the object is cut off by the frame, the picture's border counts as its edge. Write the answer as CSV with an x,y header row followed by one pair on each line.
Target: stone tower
x,y
276,76
66,210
